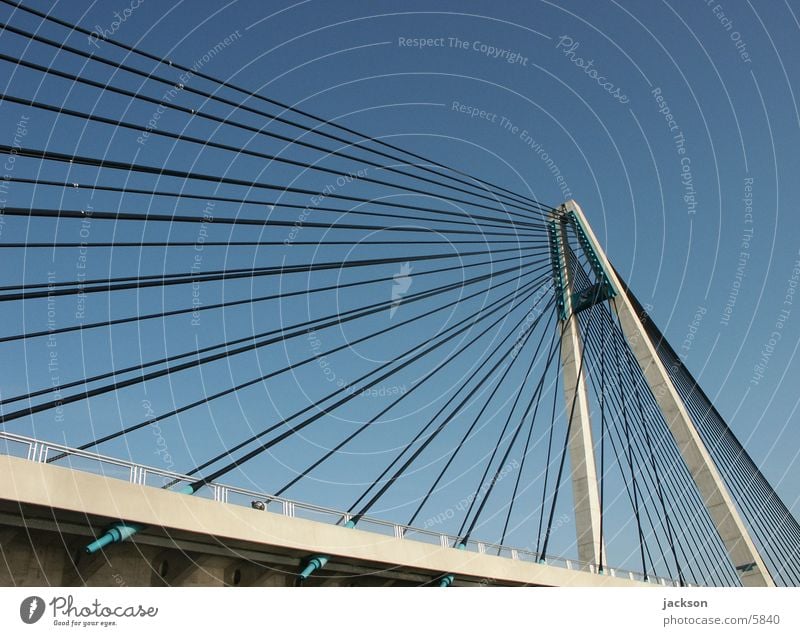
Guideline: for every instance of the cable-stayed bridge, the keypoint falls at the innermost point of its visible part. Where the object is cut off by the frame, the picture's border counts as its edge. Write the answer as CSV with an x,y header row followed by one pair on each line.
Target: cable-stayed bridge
x,y
406,373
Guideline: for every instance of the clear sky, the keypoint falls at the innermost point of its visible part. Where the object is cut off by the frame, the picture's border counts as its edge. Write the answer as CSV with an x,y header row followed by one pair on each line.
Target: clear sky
x,y
674,124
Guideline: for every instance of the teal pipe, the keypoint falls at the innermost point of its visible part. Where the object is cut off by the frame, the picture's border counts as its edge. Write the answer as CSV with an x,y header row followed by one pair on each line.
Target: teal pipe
x,y
115,534
314,564
318,561
447,579
119,532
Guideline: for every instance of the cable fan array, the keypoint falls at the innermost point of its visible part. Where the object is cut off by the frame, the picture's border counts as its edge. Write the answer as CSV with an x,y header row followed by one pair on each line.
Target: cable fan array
x,y
251,292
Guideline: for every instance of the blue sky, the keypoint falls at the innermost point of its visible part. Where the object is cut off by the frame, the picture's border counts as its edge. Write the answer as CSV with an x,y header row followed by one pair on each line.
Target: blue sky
x,y
683,157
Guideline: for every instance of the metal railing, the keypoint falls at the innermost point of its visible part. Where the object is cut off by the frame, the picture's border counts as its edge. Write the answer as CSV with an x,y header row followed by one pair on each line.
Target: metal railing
x,y
52,453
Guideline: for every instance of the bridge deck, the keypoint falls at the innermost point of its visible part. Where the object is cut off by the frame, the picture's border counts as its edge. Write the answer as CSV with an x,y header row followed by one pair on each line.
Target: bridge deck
x,y
47,512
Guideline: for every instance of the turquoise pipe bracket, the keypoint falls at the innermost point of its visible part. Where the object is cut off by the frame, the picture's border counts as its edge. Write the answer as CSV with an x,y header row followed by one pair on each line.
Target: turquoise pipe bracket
x,y
447,579
312,565
318,561
119,532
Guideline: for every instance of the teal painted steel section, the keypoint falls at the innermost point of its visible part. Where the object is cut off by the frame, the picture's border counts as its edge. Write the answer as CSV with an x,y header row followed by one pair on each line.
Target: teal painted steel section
x,y
559,283
578,301
608,288
589,297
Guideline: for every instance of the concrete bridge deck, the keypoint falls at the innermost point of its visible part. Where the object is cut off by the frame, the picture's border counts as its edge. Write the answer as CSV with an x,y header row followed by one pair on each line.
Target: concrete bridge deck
x,y
48,513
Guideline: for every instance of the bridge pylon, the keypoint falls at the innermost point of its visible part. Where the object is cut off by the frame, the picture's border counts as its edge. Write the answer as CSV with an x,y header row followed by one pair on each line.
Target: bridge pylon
x,y
585,491
569,223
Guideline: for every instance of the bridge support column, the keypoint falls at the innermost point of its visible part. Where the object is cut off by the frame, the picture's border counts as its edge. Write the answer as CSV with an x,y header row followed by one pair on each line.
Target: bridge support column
x,y
585,491
738,543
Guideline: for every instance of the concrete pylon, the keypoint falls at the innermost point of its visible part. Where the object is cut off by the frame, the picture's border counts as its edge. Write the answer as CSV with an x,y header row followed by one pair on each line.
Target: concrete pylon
x,y
585,491
734,534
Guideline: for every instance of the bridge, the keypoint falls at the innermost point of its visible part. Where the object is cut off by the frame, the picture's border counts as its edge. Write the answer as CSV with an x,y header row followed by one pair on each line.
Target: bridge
x,y
207,309
222,539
